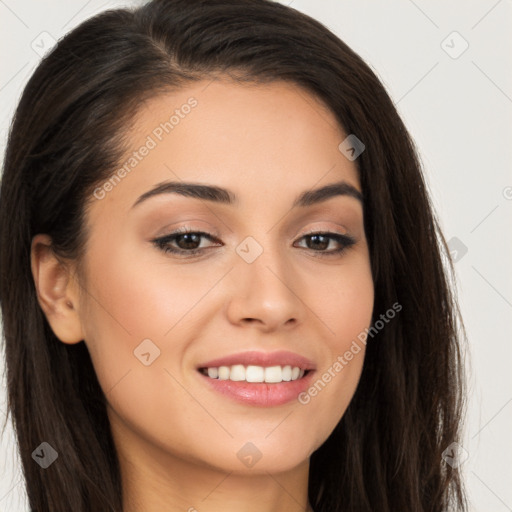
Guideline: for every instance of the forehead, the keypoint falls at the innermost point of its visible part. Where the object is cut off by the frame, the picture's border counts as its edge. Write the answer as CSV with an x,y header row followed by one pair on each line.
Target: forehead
x,y
255,139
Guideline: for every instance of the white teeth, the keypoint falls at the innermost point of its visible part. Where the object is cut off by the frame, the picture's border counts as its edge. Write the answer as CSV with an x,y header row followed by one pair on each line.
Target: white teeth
x,y
252,373
273,374
255,374
213,373
223,372
237,372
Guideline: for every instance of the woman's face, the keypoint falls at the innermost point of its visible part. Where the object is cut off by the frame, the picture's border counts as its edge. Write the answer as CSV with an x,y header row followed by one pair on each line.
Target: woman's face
x,y
259,298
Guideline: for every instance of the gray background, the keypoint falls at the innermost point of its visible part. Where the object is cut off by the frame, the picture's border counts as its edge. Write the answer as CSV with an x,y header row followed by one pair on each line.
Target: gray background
x,y
458,106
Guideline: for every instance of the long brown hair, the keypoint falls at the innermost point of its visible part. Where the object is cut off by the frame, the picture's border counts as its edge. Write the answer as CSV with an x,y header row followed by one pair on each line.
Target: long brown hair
x,y
66,137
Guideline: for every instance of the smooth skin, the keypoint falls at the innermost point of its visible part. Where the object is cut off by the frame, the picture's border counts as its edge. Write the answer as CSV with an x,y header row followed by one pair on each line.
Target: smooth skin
x,y
177,439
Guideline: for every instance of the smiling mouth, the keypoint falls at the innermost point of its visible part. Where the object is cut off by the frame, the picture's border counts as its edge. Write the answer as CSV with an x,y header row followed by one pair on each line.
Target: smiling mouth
x,y
253,373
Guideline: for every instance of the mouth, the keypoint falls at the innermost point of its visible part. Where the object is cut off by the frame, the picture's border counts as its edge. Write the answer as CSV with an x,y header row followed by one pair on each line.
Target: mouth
x,y
255,374
258,378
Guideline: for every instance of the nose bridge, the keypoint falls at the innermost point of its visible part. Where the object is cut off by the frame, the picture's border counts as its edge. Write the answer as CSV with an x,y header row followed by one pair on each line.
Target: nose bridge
x,y
263,260
264,283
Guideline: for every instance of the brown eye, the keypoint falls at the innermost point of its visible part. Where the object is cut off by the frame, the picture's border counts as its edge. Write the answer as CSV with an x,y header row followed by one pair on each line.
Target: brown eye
x,y
183,242
319,242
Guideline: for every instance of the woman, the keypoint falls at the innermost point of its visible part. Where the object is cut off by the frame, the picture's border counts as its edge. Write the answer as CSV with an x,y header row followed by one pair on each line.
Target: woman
x,y
223,288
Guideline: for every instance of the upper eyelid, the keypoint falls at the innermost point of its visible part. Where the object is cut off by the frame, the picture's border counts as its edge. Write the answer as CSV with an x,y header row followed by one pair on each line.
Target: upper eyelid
x,y
214,236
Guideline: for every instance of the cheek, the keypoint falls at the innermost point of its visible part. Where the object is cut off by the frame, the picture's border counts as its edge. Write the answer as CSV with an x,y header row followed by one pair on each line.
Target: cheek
x,y
133,296
344,306
342,301
127,302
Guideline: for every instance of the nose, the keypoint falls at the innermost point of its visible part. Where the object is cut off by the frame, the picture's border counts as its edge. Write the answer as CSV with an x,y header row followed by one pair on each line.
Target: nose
x,y
265,293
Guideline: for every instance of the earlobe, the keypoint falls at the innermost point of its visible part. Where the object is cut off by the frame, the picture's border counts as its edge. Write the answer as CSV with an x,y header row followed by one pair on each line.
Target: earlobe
x,y
57,290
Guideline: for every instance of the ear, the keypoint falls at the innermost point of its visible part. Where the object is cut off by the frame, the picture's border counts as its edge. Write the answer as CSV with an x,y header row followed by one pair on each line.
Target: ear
x,y
57,290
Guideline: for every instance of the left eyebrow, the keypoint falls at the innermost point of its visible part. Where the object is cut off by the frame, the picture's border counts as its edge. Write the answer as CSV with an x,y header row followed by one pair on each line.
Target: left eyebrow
x,y
340,188
225,196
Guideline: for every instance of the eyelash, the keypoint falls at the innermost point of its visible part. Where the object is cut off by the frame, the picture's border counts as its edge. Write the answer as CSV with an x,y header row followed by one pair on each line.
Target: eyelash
x,y
163,242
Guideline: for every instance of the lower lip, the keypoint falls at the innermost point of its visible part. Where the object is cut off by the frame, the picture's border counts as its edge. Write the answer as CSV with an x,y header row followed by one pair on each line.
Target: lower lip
x,y
260,394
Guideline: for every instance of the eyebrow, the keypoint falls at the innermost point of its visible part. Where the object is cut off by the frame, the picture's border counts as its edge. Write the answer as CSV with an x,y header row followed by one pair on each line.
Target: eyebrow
x,y
224,196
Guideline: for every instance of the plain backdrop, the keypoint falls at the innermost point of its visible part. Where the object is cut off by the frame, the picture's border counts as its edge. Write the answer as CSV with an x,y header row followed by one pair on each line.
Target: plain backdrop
x,y
447,67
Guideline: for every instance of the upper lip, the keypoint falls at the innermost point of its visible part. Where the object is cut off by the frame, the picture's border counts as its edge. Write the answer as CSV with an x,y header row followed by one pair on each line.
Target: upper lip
x,y
258,358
